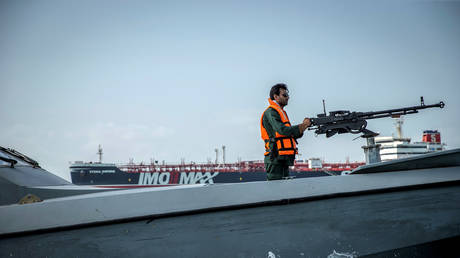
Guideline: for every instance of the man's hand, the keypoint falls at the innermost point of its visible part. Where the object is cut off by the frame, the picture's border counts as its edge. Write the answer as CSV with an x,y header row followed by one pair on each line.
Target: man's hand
x,y
304,125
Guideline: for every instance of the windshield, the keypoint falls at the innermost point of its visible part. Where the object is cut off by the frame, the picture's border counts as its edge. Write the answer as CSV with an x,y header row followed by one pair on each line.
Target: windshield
x,y
5,155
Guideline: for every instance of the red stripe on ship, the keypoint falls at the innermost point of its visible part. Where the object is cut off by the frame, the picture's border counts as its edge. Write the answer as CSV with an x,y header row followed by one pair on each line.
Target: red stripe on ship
x,y
129,186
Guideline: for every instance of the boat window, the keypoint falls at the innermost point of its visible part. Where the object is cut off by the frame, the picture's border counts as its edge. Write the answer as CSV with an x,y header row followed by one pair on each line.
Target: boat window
x,y
8,156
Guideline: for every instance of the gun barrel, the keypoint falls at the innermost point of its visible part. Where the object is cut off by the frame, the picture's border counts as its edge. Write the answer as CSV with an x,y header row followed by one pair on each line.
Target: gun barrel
x,y
398,111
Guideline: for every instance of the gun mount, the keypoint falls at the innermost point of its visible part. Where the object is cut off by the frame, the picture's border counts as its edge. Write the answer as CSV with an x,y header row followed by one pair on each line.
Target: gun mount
x,y
344,121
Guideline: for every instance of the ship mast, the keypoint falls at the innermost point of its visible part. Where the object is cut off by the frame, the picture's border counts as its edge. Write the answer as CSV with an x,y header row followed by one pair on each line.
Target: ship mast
x,y
217,155
99,152
223,154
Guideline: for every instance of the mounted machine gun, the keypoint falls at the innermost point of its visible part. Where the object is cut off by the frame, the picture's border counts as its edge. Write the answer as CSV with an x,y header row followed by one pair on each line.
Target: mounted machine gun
x,y
344,121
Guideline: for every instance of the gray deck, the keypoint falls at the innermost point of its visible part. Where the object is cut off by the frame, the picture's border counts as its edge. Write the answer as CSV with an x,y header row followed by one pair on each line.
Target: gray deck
x,y
358,225
447,158
137,203
373,213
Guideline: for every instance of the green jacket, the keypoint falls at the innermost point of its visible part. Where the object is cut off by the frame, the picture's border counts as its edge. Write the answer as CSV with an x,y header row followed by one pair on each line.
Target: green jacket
x,y
271,120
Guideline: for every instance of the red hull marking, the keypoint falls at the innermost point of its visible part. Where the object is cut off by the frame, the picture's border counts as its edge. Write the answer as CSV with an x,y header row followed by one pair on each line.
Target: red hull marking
x,y
128,186
176,178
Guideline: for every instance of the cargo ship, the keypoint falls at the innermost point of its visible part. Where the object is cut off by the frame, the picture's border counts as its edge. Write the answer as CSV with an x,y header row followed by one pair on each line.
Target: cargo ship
x,y
131,175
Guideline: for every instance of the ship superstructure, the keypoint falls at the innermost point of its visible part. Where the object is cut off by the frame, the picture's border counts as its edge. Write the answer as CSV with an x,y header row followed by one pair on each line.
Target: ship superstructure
x,y
392,147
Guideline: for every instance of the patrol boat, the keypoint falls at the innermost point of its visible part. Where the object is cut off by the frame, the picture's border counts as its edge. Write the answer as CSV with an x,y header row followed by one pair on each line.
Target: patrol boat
x,y
22,180
131,175
401,208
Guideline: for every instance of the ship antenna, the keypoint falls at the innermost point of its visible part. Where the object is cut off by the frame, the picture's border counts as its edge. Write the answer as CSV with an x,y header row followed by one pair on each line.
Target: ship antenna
x,y
99,152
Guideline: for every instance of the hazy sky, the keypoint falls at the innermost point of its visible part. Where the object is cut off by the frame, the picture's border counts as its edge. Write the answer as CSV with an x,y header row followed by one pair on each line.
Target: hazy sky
x,y
176,79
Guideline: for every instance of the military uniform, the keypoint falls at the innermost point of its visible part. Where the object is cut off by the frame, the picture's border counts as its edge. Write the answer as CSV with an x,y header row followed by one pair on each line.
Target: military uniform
x,y
280,141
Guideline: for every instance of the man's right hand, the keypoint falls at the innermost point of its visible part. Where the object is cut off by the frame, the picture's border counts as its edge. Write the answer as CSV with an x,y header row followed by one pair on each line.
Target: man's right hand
x,y
304,125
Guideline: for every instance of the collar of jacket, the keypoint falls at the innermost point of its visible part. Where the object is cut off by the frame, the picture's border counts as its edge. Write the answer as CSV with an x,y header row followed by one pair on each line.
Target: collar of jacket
x,y
273,102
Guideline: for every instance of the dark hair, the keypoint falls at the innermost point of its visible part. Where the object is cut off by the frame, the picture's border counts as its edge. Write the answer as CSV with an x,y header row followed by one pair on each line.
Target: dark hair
x,y
276,89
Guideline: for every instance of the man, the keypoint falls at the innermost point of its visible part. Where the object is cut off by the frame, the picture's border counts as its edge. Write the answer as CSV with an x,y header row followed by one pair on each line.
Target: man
x,y
278,134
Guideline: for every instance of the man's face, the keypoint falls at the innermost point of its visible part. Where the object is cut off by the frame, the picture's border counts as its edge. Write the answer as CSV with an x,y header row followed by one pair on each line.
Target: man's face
x,y
283,98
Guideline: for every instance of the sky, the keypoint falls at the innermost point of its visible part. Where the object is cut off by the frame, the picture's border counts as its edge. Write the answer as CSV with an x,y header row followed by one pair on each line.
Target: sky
x,y
173,80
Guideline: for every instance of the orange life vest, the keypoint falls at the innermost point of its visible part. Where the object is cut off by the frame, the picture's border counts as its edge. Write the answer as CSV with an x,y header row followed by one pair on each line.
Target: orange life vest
x,y
286,145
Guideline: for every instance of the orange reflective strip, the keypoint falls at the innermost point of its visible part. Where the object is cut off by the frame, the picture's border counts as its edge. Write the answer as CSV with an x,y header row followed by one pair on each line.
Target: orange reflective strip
x,y
287,143
286,152
277,135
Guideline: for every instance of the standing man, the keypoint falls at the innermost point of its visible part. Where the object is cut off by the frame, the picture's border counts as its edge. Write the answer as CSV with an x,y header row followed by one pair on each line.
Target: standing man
x,y
278,134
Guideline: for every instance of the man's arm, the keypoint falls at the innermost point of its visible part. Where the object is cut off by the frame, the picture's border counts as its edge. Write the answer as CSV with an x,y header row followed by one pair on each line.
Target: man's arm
x,y
274,119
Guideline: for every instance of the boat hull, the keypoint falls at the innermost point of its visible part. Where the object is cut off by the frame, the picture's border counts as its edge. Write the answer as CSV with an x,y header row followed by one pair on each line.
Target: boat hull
x,y
113,176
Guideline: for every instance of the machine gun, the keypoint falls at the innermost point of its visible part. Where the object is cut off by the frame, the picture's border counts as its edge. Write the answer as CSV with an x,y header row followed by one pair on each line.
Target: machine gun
x,y
344,121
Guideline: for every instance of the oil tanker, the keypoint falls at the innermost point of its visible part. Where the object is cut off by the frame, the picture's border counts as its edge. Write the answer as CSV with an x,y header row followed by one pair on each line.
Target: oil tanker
x,y
131,175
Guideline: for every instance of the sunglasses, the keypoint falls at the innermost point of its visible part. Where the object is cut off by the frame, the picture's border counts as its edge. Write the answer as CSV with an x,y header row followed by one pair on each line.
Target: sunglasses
x,y
285,95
